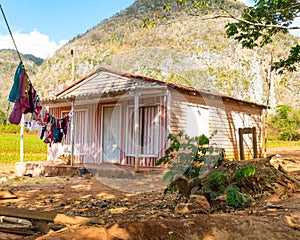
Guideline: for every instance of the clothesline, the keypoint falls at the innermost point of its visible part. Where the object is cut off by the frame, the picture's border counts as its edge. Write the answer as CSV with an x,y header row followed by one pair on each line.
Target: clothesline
x,y
10,33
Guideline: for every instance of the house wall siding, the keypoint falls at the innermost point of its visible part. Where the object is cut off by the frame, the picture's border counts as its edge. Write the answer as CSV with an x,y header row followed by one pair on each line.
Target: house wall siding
x,y
225,116
92,152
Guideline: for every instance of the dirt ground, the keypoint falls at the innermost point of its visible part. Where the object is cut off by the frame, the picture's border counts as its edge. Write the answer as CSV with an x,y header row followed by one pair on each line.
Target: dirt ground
x,y
135,209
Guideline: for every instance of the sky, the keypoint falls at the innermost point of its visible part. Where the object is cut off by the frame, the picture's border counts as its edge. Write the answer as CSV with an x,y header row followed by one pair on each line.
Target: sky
x,y
40,27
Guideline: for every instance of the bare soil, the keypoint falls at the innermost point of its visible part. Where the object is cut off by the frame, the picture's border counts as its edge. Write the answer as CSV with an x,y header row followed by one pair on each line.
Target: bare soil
x,y
128,211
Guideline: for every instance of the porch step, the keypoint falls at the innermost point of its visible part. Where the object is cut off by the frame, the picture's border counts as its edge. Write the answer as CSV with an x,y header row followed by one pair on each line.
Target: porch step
x,y
50,169
109,171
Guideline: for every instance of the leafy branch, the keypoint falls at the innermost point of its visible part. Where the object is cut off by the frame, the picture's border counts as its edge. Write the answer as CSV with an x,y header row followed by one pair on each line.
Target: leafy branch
x,y
256,26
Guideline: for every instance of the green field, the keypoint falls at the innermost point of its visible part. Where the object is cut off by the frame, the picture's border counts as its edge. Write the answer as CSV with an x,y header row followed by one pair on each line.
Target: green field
x,y
283,143
34,148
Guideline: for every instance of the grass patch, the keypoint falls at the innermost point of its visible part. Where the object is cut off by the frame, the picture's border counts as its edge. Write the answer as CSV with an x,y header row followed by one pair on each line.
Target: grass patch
x,y
34,148
283,143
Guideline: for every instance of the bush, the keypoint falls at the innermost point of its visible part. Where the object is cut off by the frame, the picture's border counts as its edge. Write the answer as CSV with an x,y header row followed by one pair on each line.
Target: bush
x,y
226,184
285,124
189,156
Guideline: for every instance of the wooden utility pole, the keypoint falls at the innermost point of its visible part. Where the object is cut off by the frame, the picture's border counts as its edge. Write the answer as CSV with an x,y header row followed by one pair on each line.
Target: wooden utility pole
x,y
73,65
269,84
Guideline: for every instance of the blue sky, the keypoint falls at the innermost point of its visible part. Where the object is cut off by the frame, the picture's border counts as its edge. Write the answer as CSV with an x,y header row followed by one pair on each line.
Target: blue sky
x,y
41,26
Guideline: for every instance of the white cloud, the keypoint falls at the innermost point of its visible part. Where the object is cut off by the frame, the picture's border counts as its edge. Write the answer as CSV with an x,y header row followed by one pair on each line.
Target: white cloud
x,y
34,43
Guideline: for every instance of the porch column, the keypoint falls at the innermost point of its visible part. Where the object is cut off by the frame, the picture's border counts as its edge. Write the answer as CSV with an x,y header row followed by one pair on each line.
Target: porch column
x,y
72,132
136,131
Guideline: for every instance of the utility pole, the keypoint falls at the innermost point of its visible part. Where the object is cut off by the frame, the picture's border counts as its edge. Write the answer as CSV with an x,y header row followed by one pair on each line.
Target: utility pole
x,y
73,65
269,84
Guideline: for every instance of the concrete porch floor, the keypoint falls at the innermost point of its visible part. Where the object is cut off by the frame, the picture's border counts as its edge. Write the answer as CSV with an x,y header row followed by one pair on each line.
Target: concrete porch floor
x,y
122,178
51,169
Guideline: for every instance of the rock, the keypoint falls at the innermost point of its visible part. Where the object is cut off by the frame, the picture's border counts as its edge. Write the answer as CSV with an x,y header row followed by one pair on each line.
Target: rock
x,y
201,201
195,189
182,208
7,194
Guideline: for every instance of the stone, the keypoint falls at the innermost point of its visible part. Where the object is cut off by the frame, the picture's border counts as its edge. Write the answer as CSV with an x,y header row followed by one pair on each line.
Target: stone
x,y
201,201
183,208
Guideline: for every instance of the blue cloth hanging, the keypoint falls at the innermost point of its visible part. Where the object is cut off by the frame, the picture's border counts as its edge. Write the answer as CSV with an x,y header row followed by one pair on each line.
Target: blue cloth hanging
x,y
14,94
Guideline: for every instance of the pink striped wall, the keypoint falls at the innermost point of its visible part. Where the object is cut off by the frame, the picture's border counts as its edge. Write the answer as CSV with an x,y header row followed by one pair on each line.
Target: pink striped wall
x,y
155,114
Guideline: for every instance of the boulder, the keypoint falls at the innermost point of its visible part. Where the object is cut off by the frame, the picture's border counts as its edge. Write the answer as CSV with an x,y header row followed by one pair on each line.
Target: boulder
x,y
201,201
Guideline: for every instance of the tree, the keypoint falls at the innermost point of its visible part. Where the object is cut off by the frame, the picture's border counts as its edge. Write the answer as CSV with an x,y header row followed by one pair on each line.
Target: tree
x,y
267,18
285,123
254,27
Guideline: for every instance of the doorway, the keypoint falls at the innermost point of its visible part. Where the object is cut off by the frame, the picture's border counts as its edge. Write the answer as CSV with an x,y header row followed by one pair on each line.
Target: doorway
x,y
111,130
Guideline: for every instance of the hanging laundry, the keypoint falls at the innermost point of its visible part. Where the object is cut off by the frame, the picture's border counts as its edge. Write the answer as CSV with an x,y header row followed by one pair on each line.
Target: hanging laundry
x,y
65,125
16,114
15,90
30,94
23,95
53,130
38,107
24,88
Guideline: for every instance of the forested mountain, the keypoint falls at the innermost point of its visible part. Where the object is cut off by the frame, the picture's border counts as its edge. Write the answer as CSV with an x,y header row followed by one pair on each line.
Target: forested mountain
x,y
184,49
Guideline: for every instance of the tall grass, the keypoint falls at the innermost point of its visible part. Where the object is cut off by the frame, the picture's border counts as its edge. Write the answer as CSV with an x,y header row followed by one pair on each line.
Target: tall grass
x,y
283,143
34,148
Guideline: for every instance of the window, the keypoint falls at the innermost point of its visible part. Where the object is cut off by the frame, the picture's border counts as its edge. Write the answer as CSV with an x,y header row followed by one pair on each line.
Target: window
x,y
147,132
197,121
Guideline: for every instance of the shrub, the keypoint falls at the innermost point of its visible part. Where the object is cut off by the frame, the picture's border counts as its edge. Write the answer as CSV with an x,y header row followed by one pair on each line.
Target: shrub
x,y
285,124
226,184
189,156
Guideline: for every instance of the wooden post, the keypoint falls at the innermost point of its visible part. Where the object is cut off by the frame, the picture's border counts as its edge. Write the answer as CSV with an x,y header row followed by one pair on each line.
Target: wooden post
x,y
22,139
72,132
241,144
254,142
136,132
265,119
73,65
243,131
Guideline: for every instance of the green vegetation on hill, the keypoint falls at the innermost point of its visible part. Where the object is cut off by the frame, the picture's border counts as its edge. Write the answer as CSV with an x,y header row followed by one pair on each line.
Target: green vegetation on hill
x,y
186,50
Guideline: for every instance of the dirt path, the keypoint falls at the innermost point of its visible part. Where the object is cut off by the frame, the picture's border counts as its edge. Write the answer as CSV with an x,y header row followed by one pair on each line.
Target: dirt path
x,y
285,152
122,213
146,216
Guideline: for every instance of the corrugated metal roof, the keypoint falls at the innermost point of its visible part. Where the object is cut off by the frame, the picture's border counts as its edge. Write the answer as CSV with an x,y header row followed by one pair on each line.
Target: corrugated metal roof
x,y
102,92
105,81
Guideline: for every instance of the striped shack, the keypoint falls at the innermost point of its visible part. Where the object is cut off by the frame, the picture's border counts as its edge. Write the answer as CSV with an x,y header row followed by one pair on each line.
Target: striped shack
x,y
125,119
